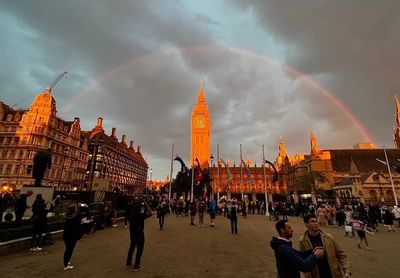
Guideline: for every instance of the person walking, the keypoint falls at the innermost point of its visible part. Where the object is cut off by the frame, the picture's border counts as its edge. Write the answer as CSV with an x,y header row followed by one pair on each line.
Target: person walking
x,y
322,217
289,262
396,213
193,211
334,263
212,210
201,210
232,215
358,226
161,210
140,211
39,221
388,218
72,233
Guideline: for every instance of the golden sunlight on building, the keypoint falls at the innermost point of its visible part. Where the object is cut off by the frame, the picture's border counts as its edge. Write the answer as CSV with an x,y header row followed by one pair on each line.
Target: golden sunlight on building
x,y
200,131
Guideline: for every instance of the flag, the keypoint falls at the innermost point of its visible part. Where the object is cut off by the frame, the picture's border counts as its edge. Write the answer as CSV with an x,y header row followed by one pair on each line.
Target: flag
x,y
198,175
275,178
229,178
249,178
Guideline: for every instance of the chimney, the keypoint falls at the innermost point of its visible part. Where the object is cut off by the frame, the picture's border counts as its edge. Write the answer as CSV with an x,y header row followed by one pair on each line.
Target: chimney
x,y
99,121
138,149
123,139
114,132
131,144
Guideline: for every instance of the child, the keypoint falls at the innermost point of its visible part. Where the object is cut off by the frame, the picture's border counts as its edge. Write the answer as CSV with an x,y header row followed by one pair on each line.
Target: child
x,y
358,226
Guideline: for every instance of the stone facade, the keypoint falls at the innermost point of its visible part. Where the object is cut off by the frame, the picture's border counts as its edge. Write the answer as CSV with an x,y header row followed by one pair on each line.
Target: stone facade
x,y
113,163
200,131
25,132
348,174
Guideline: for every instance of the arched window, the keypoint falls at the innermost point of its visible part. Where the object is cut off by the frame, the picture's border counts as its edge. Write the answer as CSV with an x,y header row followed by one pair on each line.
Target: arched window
x,y
372,195
347,194
9,117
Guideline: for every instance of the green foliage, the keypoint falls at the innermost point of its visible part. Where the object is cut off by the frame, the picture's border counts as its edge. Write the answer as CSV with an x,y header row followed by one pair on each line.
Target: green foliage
x,y
309,181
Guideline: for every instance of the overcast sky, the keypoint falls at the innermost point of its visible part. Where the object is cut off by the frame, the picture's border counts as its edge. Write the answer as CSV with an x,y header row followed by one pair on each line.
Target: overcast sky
x,y
138,64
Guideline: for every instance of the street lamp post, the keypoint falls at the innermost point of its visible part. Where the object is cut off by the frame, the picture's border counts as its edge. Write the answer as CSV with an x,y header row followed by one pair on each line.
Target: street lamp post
x,y
211,164
65,151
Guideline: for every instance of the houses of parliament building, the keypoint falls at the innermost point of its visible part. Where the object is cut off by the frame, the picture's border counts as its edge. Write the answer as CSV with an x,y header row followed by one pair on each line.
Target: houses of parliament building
x,y
348,174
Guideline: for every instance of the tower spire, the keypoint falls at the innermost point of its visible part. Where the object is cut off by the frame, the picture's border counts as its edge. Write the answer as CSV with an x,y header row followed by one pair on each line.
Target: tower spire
x,y
353,167
201,97
314,145
282,149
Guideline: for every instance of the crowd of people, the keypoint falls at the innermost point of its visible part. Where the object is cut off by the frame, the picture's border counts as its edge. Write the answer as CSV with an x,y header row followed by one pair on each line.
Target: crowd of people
x,y
319,254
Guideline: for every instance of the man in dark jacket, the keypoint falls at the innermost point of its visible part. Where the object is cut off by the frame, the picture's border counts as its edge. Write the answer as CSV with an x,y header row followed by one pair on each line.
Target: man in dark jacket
x,y
139,212
290,262
41,162
21,207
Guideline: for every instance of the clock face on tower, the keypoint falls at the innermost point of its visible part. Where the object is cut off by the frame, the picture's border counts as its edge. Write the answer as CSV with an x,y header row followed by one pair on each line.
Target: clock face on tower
x,y
199,122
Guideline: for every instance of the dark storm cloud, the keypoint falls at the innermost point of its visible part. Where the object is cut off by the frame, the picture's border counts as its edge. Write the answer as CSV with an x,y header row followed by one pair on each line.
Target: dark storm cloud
x,y
167,50
355,43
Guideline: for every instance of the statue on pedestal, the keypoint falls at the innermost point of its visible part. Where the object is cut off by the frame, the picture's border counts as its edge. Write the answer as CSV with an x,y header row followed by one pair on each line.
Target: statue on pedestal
x,y
41,162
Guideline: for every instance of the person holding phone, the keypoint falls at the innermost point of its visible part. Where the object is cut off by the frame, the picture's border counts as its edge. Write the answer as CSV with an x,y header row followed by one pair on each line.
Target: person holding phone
x,y
334,263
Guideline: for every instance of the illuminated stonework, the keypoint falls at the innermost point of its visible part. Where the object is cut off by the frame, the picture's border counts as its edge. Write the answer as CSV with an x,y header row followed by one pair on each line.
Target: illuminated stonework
x,y
200,131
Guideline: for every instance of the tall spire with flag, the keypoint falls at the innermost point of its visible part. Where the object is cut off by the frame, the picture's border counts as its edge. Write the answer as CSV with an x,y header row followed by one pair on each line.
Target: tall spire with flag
x,y
396,135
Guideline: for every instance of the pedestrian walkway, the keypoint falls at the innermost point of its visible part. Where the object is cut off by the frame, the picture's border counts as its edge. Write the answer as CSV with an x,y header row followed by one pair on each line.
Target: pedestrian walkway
x,y
182,250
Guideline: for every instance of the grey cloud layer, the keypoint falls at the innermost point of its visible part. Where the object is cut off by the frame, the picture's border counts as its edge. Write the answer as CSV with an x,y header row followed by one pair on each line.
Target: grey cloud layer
x,y
251,101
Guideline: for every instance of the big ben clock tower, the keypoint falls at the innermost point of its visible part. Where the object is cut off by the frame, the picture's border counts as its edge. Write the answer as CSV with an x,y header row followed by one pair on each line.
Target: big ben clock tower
x,y
200,131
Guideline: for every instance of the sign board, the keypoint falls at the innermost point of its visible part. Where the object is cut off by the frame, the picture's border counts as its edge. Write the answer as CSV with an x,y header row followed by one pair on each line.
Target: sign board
x,y
47,195
101,185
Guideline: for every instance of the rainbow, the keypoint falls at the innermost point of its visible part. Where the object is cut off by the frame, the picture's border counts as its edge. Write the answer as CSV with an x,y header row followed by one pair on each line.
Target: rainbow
x,y
295,72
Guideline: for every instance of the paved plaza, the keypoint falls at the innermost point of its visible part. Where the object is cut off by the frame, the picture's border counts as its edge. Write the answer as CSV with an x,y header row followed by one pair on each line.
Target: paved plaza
x,y
182,250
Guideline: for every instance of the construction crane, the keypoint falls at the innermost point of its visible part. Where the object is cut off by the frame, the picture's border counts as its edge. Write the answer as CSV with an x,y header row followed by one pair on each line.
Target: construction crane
x,y
52,84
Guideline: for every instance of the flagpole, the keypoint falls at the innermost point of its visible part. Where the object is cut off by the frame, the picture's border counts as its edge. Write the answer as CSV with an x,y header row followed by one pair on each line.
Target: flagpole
x,y
241,172
217,173
390,175
265,184
170,173
191,188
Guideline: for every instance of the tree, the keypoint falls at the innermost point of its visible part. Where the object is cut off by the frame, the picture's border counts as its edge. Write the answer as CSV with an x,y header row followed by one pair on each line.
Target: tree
x,y
309,182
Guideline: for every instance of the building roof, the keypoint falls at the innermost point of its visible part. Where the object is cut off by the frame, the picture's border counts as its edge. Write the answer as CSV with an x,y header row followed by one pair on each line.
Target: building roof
x,y
364,159
10,110
113,141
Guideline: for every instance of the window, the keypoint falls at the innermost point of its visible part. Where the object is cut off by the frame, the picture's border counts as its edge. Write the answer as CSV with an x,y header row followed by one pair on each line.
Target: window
x,y
21,154
1,168
12,155
17,168
29,169
4,154
8,169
